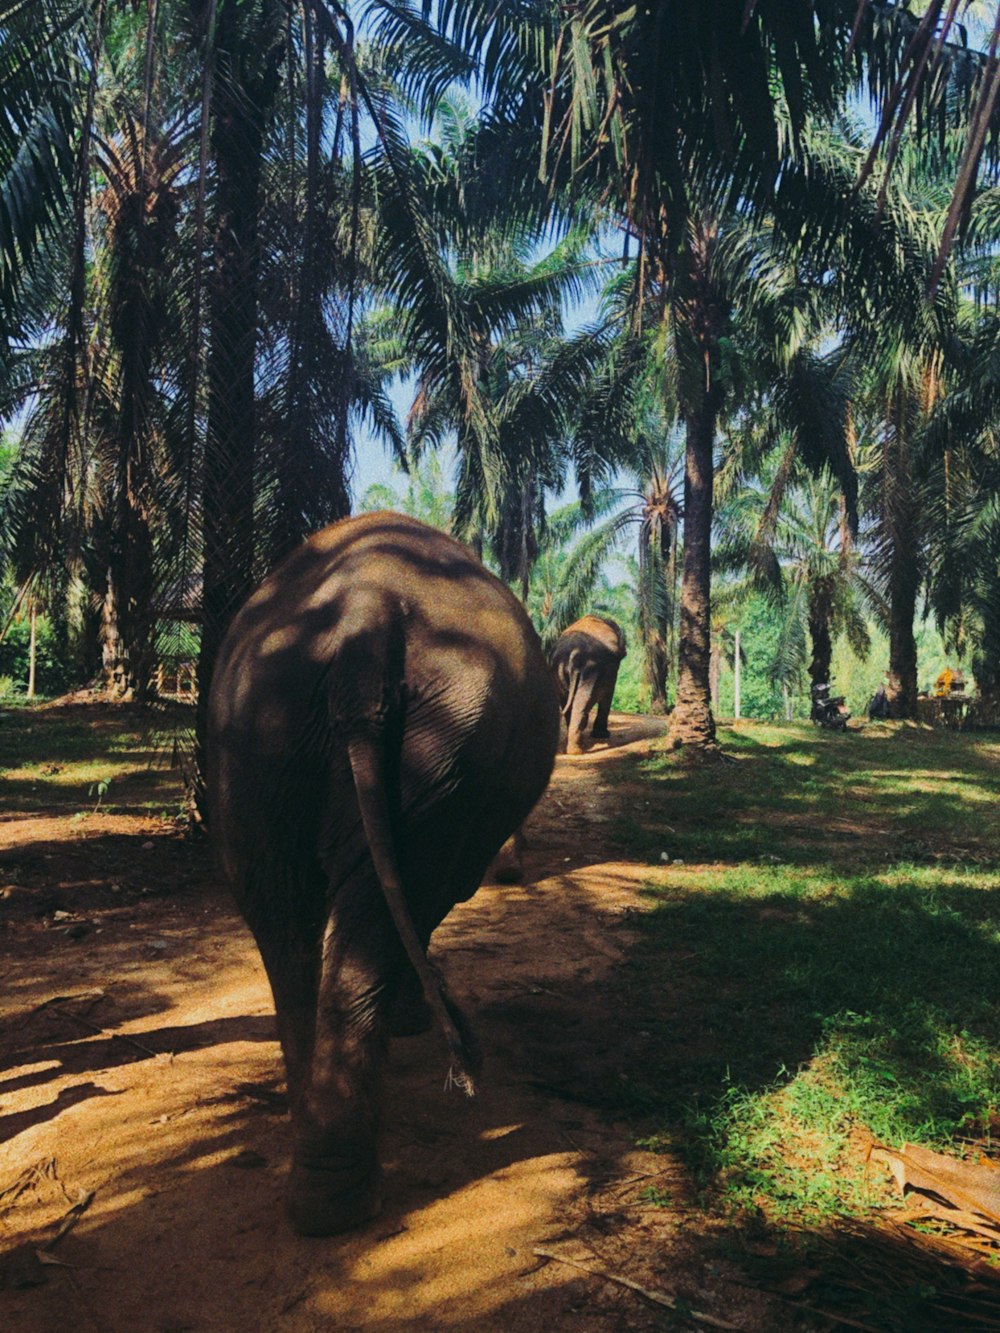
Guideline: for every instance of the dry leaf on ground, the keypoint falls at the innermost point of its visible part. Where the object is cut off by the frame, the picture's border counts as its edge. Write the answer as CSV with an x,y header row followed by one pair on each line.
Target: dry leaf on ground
x,y
968,1186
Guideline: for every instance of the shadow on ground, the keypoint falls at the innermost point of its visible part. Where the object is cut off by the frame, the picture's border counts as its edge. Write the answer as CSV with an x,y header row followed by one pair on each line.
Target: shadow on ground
x,y
608,1008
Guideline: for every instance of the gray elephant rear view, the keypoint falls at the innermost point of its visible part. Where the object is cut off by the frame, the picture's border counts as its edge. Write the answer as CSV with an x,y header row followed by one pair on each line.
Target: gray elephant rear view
x,y
381,719
585,662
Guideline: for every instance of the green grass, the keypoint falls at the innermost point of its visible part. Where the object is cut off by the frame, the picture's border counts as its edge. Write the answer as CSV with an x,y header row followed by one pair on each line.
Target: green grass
x,y
825,964
69,759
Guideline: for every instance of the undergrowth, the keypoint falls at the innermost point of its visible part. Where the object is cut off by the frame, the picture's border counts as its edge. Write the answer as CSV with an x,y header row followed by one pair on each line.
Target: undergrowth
x,y
819,961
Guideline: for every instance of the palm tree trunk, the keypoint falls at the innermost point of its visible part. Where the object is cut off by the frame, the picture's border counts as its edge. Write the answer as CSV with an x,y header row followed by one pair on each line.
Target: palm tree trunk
x,y
128,613
32,648
819,634
655,627
901,523
904,583
691,722
243,94
901,687
714,672
737,677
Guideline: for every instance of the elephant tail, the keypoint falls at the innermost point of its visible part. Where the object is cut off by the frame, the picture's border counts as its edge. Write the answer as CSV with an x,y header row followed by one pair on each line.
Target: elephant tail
x,y
366,753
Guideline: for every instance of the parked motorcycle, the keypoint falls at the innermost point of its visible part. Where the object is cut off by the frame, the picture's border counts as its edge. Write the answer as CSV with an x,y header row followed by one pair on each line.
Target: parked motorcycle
x,y
828,710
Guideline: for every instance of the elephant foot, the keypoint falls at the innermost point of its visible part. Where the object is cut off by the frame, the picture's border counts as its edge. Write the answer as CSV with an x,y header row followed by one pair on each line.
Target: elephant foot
x,y
509,873
507,867
601,734
317,1204
411,1015
574,747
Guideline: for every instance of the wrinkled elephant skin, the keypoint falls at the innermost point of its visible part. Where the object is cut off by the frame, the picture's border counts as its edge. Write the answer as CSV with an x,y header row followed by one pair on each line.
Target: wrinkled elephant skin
x,y
381,720
585,663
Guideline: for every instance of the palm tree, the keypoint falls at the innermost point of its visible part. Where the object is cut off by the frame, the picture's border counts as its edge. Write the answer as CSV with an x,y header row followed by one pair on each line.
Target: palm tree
x,y
171,136
478,321
743,330
642,515
426,497
965,574
138,207
801,555
897,534
93,472
901,368
961,513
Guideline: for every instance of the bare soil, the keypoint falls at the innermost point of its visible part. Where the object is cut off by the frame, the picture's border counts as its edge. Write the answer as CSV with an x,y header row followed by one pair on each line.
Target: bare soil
x,y
141,1103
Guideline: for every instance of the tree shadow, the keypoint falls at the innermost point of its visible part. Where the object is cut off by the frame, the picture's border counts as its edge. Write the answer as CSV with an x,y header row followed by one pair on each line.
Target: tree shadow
x,y
111,1050
649,1026
18,1121
557,1055
819,798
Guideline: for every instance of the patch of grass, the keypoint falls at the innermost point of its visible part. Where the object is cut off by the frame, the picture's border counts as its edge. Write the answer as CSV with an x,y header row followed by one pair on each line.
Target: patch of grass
x,y
801,795
656,1198
74,757
825,965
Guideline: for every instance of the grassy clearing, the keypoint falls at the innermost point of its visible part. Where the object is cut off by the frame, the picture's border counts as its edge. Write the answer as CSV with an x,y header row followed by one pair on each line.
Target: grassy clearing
x,y
824,964
75,759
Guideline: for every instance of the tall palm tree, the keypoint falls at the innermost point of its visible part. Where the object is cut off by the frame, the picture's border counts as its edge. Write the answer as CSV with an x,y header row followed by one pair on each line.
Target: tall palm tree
x,y
965,570
94,469
801,555
639,515
248,42
479,323
743,330
960,456
139,207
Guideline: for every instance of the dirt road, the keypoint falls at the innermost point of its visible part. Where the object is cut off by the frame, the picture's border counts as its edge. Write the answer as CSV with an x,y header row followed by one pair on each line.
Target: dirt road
x,y
140,1075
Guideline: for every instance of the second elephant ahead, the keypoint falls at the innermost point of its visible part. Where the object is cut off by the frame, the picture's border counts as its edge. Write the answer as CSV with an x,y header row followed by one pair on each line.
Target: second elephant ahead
x,y
585,663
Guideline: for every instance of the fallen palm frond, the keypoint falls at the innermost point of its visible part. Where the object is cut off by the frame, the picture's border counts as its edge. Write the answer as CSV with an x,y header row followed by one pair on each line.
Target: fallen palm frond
x,y
905,1279
657,1297
970,1190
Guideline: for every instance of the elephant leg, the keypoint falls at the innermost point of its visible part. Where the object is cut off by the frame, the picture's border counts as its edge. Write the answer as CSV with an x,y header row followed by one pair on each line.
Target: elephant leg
x,y
411,1014
334,1182
600,731
289,947
293,973
583,702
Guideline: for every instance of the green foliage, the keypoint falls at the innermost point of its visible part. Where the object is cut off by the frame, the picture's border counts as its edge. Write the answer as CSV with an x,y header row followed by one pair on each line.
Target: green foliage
x,y
56,669
426,496
69,764
760,694
822,964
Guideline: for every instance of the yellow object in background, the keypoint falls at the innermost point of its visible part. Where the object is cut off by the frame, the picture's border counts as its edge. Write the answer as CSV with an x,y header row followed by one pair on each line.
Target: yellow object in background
x,y
948,683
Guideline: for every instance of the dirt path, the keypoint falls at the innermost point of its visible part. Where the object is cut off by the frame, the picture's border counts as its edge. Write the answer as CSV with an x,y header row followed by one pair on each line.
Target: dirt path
x,y
139,1062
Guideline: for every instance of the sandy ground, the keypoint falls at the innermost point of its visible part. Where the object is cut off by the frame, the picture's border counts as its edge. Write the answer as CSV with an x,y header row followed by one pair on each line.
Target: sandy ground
x,y
140,1076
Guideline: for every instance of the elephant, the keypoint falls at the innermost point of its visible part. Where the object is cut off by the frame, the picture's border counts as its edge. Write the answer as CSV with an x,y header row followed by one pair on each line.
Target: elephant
x,y
585,663
381,719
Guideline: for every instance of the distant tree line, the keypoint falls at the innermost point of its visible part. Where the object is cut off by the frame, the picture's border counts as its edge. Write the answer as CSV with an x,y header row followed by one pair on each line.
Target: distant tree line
x,y
227,227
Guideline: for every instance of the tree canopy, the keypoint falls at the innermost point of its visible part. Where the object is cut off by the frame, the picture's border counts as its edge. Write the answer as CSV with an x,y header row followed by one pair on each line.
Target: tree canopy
x,y
648,253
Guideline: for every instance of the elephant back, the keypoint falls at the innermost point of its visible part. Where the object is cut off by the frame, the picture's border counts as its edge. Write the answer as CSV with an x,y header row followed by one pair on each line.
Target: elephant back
x,y
376,617
605,631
